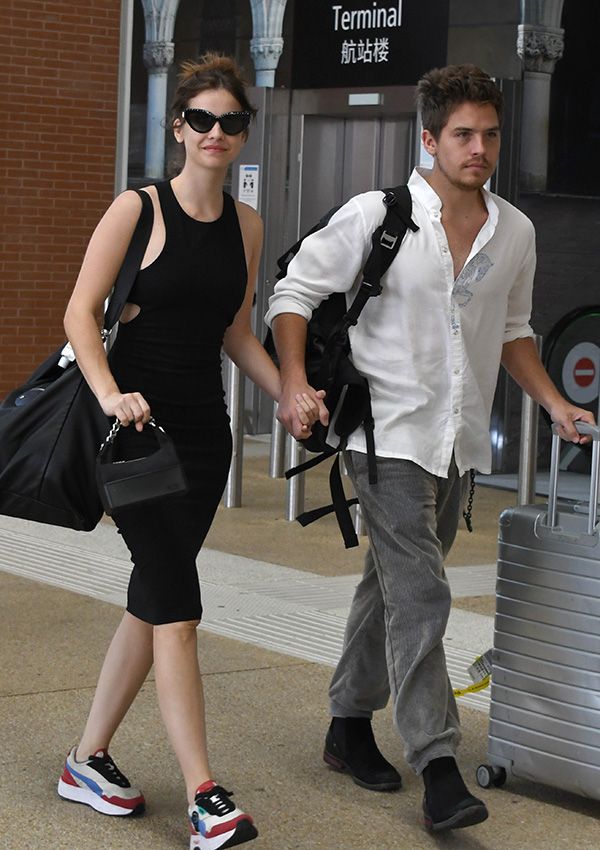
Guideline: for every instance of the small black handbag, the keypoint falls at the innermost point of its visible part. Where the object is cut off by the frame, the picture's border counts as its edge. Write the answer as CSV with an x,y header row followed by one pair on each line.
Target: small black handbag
x,y
126,482
52,426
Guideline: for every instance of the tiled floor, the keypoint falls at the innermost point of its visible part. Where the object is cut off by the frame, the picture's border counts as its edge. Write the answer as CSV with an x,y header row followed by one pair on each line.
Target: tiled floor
x,y
276,607
275,597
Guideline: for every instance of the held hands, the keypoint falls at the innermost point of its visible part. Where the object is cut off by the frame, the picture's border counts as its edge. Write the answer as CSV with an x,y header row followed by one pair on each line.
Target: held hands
x,y
300,406
127,407
564,415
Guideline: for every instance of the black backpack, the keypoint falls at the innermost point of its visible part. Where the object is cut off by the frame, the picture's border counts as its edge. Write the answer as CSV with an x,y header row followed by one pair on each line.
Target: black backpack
x,y
328,363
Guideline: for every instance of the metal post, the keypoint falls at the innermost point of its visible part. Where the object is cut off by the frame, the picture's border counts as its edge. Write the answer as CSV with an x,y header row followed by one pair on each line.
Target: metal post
x,y
358,520
553,485
294,492
356,511
594,488
528,448
277,452
124,96
232,498
343,467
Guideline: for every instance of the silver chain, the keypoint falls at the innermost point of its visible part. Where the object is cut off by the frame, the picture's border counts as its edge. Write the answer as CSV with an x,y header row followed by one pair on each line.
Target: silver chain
x,y
116,427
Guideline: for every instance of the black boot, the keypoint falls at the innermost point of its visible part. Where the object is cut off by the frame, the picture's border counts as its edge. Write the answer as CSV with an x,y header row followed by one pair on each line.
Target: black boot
x,y
448,803
350,746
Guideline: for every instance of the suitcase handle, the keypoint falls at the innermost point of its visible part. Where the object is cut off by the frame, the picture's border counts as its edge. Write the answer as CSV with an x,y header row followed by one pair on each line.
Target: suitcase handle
x,y
594,432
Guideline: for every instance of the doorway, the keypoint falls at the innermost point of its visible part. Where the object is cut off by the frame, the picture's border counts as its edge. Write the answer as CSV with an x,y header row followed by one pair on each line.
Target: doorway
x,y
338,149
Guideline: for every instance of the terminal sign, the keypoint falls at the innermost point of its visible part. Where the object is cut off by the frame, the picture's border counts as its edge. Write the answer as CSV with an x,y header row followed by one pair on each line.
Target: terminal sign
x,y
367,42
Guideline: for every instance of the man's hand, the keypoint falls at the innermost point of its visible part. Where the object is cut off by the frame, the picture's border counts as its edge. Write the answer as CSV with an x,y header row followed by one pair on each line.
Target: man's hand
x,y
300,406
521,359
564,415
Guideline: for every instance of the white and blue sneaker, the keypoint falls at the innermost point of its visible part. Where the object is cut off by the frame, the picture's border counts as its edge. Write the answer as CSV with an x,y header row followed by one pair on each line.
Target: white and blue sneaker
x,y
215,821
99,783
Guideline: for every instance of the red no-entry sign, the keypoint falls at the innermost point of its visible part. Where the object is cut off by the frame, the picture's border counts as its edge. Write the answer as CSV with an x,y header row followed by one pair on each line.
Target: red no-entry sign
x,y
580,373
584,372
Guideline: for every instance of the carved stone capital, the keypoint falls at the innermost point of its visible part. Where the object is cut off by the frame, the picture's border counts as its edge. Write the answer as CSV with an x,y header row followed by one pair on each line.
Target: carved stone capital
x,y
540,47
158,56
265,53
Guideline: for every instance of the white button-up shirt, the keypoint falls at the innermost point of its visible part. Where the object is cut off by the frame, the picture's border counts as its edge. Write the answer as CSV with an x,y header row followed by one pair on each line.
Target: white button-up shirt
x,y
430,344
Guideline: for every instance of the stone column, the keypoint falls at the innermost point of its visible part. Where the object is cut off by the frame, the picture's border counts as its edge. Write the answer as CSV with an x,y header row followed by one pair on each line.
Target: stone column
x,y
267,43
159,50
539,47
158,57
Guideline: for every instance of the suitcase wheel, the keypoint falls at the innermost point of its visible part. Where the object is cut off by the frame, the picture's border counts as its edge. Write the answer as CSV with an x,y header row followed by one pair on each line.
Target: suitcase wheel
x,y
487,776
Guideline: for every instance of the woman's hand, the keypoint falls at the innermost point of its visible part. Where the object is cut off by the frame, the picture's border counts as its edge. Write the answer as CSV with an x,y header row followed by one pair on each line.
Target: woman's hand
x,y
299,407
127,407
308,411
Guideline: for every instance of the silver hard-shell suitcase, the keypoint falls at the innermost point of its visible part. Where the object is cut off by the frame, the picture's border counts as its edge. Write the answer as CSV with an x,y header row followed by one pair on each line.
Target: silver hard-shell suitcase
x,y
545,699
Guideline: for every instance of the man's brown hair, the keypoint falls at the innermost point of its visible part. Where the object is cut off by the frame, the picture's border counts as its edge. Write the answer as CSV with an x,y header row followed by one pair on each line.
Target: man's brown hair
x,y
441,90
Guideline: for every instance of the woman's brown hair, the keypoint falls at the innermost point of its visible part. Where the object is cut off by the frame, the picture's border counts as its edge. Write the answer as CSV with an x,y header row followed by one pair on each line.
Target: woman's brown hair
x,y
211,71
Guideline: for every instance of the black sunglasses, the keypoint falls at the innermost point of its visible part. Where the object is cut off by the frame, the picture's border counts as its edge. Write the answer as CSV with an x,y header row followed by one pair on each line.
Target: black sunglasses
x,y
232,123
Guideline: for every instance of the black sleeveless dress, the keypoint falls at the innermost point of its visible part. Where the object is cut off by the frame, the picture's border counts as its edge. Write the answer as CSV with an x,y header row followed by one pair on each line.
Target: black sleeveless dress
x,y
171,353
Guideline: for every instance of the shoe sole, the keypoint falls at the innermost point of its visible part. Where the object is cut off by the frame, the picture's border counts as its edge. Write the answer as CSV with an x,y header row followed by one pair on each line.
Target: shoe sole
x,y
466,817
82,795
244,831
342,767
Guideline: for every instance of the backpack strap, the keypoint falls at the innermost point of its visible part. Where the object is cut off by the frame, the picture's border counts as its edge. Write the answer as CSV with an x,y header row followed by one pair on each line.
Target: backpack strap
x,y
389,235
399,202
309,464
385,244
340,505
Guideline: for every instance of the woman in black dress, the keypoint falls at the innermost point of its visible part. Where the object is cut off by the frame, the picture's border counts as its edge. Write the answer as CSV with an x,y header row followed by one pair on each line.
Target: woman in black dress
x,y
192,298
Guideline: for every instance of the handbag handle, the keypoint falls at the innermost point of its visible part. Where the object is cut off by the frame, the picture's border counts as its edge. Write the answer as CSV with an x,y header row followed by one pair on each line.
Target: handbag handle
x,y
106,449
125,278
132,262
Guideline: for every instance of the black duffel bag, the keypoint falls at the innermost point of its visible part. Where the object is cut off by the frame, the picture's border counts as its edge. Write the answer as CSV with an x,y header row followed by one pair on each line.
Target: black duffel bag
x,y
51,428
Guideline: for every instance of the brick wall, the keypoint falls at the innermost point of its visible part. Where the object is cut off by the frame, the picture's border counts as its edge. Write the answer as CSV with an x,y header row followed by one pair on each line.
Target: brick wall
x,y
58,89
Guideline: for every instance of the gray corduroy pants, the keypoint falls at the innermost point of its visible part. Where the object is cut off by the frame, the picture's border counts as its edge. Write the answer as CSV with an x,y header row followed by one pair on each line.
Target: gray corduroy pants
x,y
393,642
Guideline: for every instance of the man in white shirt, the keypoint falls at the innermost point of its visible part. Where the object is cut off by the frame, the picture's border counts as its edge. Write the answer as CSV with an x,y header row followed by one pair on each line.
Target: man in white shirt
x,y
456,303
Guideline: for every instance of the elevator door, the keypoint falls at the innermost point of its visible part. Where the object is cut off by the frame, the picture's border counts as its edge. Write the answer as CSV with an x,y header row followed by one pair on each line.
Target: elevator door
x,y
341,157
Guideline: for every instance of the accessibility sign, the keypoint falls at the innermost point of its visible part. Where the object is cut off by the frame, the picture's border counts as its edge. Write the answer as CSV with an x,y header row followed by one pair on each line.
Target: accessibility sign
x,y
248,185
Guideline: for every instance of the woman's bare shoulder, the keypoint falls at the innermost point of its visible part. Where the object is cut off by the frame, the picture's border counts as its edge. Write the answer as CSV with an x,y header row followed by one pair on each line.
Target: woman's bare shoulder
x,y
125,208
124,211
249,219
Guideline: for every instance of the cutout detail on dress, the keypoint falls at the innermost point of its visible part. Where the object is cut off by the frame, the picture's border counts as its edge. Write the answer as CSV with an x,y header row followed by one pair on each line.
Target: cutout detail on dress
x,y
130,312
